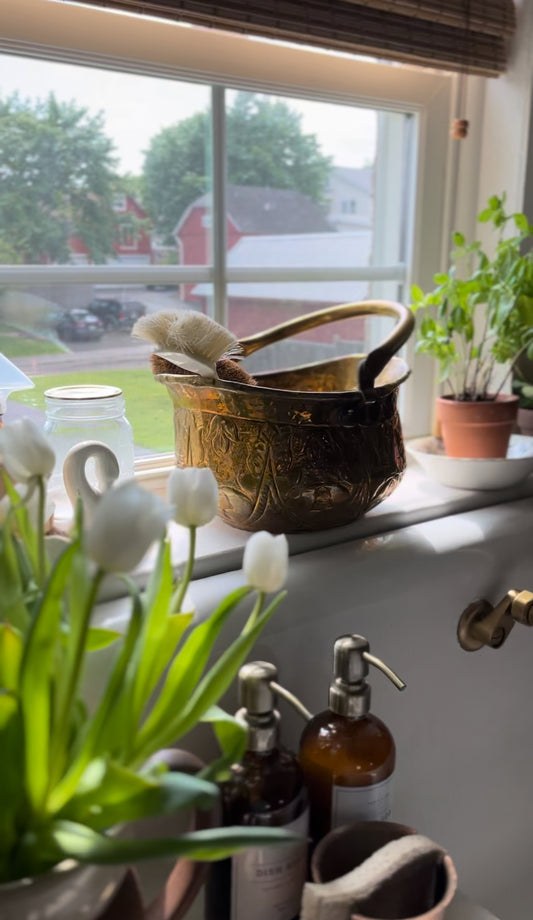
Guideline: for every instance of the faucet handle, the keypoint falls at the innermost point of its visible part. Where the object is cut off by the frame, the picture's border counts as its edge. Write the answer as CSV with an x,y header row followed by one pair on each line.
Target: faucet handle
x,y
483,624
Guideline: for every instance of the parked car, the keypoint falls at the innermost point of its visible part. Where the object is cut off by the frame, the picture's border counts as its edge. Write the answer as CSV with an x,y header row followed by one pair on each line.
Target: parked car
x,y
130,312
107,310
116,315
79,325
161,287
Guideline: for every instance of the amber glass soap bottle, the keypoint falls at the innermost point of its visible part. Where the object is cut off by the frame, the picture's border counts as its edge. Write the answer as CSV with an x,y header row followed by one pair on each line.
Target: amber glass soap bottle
x,y
267,790
346,753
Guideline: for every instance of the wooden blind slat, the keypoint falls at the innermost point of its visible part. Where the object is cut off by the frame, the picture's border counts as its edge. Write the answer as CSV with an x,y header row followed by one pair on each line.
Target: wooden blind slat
x,y
496,17
474,42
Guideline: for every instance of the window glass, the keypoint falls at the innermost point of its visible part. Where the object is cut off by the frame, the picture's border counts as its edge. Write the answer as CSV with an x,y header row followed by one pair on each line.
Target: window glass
x,y
61,335
102,170
100,167
321,187
297,173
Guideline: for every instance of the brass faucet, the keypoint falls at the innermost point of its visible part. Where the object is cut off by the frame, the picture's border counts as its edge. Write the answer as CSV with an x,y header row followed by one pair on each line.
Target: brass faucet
x,y
482,624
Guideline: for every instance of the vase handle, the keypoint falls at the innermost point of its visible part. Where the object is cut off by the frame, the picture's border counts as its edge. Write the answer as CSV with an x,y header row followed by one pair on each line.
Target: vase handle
x,y
75,475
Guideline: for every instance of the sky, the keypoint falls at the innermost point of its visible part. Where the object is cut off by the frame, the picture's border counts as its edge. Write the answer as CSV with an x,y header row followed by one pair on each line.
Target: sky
x,y
138,107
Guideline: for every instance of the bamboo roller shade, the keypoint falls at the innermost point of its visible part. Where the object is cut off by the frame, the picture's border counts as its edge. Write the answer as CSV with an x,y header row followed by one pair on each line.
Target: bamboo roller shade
x,y
460,35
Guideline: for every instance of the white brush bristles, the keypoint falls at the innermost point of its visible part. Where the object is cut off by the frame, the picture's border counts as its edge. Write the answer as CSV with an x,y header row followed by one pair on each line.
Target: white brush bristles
x,y
191,333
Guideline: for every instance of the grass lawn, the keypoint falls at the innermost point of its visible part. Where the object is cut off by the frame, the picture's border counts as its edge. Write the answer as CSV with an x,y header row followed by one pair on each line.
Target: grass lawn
x,y
16,345
148,405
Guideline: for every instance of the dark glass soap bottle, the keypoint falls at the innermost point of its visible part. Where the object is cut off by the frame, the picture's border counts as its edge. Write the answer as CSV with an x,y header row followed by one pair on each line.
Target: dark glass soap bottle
x,y
347,754
267,790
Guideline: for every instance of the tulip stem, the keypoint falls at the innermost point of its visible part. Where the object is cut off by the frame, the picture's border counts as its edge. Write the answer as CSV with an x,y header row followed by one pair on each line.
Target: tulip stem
x,y
184,581
41,558
252,619
61,730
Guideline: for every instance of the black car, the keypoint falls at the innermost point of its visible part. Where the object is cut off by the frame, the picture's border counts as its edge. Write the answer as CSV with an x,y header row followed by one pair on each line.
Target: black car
x,y
107,310
80,326
131,311
116,315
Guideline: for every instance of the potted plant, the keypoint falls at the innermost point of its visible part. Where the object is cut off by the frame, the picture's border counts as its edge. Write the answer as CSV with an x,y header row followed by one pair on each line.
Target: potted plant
x,y
478,319
72,780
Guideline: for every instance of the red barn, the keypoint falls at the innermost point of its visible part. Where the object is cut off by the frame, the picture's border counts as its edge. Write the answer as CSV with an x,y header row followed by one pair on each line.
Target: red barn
x,y
250,211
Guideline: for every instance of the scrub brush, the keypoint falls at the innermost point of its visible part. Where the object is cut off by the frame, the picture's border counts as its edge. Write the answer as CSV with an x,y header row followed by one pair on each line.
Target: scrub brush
x,y
191,343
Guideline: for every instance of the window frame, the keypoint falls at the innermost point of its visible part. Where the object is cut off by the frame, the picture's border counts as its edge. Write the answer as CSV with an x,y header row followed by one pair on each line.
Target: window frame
x,y
97,37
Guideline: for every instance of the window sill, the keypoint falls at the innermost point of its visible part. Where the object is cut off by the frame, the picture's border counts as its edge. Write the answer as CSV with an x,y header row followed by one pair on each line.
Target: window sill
x,y
417,499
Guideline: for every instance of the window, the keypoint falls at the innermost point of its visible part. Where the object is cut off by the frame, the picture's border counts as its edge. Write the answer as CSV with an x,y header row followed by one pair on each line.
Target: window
x,y
244,240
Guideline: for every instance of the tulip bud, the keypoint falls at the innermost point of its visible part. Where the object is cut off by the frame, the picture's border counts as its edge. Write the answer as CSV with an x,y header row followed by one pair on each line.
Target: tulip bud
x,y
266,561
24,451
193,495
126,521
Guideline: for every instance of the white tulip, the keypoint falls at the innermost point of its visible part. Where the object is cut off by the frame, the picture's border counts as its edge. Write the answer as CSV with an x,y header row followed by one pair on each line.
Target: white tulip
x,y
266,561
193,495
126,521
24,451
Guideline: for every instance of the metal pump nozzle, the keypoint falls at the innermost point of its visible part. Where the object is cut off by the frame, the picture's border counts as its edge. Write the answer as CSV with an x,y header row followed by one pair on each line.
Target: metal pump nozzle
x,y
349,692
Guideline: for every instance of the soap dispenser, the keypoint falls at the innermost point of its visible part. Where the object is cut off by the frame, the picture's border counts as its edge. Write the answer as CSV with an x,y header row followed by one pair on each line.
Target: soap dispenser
x,y
265,789
346,753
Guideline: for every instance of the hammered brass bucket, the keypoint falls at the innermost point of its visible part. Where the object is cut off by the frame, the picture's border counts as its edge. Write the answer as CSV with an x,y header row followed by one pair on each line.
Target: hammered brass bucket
x,y
309,447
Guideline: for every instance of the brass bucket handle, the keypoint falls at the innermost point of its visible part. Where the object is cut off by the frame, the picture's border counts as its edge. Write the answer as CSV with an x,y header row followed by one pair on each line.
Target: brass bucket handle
x,y
374,362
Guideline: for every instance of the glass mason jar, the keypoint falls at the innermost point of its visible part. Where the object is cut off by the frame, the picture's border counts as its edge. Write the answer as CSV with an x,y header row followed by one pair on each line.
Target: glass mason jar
x,y
87,413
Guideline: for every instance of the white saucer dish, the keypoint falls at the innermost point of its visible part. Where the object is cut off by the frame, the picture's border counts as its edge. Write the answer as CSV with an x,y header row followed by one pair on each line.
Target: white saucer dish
x,y
474,473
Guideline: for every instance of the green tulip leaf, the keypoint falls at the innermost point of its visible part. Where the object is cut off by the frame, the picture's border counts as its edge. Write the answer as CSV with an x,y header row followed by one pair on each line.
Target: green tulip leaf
x,y
69,839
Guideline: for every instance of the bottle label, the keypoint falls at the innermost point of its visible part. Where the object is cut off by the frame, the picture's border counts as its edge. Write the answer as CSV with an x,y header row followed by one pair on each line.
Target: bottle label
x,y
267,882
361,803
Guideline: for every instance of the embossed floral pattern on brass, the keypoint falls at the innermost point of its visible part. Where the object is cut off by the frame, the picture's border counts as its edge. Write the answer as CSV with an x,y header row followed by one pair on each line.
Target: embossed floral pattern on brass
x,y
305,449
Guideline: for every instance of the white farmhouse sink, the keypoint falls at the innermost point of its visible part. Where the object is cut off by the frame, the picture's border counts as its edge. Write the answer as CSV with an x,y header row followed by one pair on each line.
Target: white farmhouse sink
x,y
464,725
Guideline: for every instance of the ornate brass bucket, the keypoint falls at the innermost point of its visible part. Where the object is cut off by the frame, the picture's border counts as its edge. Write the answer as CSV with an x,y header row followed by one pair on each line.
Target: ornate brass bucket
x,y
308,448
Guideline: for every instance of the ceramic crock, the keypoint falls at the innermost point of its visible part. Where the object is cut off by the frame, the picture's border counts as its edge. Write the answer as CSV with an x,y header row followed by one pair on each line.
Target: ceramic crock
x,y
427,895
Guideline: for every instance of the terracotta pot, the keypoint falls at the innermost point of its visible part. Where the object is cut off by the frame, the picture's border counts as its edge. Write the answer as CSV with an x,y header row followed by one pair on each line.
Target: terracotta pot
x,y
75,892
477,429
424,894
525,422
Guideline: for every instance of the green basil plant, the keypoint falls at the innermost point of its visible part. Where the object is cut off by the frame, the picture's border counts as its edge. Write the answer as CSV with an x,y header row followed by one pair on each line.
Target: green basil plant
x,y
68,775
480,314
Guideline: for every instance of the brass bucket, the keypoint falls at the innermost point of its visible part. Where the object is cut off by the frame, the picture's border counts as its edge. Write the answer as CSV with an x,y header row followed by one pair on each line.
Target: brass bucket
x,y
308,448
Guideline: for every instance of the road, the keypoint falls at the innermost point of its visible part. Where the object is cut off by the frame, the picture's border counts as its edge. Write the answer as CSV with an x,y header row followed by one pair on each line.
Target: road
x,y
116,350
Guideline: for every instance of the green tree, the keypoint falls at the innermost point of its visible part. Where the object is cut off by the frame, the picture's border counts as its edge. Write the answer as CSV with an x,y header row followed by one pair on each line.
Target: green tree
x,y
266,147
57,178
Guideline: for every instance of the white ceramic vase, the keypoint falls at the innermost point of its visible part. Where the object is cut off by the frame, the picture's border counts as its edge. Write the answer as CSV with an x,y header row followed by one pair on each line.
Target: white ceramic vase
x,y
70,892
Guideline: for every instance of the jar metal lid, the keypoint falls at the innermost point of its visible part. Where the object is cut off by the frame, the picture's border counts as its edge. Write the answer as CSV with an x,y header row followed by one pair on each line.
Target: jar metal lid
x,y
83,391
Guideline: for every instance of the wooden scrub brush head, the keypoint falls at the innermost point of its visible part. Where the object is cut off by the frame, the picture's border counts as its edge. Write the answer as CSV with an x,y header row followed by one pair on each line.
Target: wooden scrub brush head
x,y
191,343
